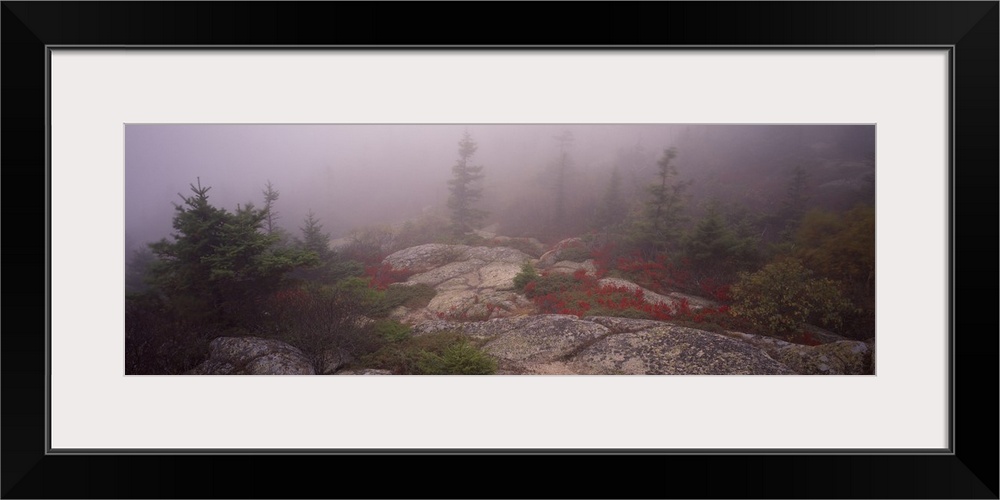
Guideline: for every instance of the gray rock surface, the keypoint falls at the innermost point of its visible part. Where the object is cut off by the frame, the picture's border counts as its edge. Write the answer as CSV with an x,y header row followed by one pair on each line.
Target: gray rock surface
x,y
552,256
253,356
560,344
475,295
332,360
472,283
570,267
423,258
842,357
675,350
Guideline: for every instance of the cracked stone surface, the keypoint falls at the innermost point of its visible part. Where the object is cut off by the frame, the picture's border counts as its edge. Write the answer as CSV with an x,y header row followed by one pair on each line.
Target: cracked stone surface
x,y
253,356
560,344
475,295
471,282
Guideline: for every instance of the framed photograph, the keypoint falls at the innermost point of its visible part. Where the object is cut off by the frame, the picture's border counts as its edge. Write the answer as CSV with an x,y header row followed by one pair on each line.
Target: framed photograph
x,y
144,100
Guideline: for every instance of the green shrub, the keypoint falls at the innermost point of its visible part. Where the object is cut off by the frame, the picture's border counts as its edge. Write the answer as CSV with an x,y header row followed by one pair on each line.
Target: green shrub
x,y
549,284
460,358
527,275
392,331
783,295
442,353
370,301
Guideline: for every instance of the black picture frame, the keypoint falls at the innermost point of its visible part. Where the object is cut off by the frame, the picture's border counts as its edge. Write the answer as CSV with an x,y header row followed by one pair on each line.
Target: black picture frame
x,y
969,470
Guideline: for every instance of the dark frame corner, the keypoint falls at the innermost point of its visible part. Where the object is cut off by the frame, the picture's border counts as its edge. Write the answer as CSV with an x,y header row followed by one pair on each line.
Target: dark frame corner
x,y
971,28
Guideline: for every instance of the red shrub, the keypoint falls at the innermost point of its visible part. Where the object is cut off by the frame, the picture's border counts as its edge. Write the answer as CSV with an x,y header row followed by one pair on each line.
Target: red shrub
x,y
382,275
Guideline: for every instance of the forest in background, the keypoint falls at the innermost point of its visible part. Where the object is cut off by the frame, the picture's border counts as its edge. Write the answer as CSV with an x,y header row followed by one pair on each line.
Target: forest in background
x,y
776,224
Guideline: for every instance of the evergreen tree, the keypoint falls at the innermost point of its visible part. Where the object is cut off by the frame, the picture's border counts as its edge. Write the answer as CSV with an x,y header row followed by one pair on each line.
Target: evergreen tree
x,y
329,267
219,262
717,250
660,225
793,207
181,268
270,196
465,189
314,239
712,242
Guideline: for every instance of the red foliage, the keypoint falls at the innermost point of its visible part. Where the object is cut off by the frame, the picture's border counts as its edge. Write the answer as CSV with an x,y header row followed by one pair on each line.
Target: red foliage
x,y
711,288
660,275
602,256
382,275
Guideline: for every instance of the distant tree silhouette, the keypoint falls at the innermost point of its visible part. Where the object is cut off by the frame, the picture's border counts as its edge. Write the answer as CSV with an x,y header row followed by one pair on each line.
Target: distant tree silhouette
x,y
314,239
793,207
562,166
270,196
660,224
465,189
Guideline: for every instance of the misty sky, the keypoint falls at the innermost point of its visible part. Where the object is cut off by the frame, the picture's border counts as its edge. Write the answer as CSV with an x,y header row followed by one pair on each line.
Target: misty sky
x,y
353,175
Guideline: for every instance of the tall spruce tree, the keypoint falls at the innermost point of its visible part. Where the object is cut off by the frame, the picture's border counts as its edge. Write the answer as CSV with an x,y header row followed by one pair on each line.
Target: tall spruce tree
x,y
270,196
314,239
465,189
659,227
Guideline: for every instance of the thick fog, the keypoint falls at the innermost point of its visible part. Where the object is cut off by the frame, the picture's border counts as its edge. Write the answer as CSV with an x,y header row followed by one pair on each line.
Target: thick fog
x,y
356,175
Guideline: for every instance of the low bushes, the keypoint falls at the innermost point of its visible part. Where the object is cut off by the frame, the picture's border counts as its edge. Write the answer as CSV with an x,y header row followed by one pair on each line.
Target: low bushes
x,y
527,275
582,295
439,353
783,295
459,358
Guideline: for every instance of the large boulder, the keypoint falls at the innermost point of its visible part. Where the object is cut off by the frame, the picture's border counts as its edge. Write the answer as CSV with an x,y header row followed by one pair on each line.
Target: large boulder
x,y
333,360
423,258
475,295
570,267
845,357
253,356
840,357
471,283
560,344
552,256
675,350
545,337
